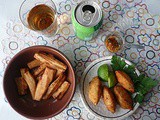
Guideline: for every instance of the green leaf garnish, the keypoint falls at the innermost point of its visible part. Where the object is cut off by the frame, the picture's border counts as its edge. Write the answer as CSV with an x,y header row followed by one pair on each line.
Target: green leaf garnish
x,y
139,98
118,63
142,83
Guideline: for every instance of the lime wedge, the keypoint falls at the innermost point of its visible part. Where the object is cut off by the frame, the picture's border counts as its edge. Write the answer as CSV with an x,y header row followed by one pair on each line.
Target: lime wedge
x,y
103,72
111,79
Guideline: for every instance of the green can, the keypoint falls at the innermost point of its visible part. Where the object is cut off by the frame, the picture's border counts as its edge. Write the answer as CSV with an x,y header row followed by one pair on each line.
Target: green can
x,y
87,19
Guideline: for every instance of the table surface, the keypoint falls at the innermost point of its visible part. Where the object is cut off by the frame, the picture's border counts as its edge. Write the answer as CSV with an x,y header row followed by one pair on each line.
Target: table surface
x,y
145,31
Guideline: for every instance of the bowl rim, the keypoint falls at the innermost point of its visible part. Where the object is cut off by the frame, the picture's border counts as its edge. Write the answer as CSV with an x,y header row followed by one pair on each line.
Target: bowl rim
x,y
66,59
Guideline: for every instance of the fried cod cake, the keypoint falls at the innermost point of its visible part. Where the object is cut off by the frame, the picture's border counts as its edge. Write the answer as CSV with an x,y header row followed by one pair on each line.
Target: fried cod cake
x,y
125,81
123,97
109,99
95,90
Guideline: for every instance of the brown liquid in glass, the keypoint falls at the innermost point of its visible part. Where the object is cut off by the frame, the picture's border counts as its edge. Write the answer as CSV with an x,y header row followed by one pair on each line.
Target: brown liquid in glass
x,y
40,17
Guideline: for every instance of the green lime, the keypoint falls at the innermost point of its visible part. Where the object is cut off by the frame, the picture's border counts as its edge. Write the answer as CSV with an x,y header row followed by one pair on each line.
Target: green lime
x,y
111,79
103,72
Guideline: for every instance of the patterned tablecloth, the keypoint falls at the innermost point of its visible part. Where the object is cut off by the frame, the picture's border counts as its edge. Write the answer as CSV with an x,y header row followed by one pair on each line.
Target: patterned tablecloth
x,y
145,31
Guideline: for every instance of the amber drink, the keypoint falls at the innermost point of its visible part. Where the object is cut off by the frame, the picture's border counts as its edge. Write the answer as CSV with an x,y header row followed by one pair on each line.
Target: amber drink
x,y
41,18
114,42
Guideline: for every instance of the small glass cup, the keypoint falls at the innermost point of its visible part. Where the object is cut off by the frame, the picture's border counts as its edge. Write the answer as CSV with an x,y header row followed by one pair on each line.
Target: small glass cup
x,y
39,16
114,42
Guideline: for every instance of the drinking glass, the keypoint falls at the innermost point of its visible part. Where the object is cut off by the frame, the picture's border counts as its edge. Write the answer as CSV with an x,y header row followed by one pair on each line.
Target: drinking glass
x,y
115,43
39,16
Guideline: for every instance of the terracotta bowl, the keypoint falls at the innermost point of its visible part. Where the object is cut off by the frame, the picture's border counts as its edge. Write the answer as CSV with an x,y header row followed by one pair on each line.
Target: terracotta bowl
x,y
24,105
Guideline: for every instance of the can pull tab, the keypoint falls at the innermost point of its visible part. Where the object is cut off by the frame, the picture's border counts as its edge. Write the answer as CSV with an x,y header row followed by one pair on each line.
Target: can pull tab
x,y
88,14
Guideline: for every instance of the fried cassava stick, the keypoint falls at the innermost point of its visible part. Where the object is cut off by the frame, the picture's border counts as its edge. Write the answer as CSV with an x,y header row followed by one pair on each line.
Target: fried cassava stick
x,y
54,86
43,83
21,85
52,61
61,90
39,69
31,82
34,63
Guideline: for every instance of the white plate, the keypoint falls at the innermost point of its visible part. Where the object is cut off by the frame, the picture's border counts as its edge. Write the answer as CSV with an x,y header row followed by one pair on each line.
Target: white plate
x,y
100,110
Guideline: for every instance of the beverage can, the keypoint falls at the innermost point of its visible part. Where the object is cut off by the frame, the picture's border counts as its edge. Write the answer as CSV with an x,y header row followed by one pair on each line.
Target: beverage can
x,y
87,19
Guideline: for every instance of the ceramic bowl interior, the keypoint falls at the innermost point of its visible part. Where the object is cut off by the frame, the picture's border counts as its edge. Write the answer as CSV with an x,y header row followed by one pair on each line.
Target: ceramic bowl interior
x,y
24,105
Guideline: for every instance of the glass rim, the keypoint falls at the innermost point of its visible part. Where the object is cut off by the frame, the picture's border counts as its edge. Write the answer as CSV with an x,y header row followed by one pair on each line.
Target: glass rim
x,y
30,9
123,41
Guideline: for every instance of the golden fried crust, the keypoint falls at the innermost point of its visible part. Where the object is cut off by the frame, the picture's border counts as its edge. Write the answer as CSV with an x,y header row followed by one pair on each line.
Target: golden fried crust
x,y
34,63
43,83
54,86
125,81
61,90
95,90
30,82
50,60
109,99
21,85
123,97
